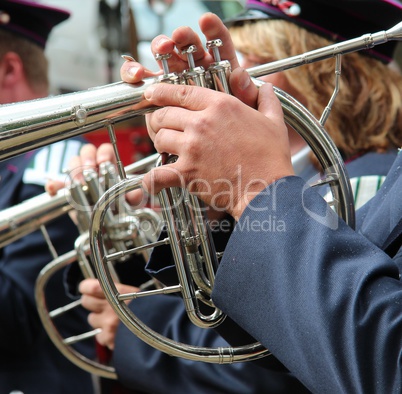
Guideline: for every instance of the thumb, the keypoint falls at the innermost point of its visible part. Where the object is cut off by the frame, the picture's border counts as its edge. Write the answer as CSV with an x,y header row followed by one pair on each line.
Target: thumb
x,y
242,87
92,287
134,72
53,186
268,104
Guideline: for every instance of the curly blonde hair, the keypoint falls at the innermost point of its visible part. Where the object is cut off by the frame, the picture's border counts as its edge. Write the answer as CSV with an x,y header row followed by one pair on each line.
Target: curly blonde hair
x,y
366,115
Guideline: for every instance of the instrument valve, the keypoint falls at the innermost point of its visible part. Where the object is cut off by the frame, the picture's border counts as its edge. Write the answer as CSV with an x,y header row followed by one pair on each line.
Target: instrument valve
x,y
215,45
220,69
167,76
193,75
190,58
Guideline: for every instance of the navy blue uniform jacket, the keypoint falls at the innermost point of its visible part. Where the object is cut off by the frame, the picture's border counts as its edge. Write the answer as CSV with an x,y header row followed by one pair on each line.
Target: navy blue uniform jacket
x,y
29,361
135,361
328,299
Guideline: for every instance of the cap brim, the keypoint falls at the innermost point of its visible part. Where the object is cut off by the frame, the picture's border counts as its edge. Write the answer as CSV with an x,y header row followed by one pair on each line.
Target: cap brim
x,y
246,16
46,12
31,20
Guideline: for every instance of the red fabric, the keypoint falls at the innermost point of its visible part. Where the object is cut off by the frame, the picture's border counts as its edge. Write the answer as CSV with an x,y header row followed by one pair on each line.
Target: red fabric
x,y
108,386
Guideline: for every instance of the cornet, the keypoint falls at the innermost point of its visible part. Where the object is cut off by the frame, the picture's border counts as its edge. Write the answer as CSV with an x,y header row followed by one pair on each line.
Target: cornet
x,y
34,124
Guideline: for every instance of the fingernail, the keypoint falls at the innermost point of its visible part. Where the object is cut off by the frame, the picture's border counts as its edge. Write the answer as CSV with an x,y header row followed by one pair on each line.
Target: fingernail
x,y
128,58
103,159
132,72
51,189
244,80
149,91
89,162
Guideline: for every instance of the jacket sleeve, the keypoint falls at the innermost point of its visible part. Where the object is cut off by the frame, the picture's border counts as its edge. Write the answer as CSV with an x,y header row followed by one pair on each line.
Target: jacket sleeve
x,y
135,361
22,260
20,265
322,298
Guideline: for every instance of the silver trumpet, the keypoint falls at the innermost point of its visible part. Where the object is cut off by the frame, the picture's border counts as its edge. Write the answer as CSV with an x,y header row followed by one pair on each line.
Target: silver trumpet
x,y
30,125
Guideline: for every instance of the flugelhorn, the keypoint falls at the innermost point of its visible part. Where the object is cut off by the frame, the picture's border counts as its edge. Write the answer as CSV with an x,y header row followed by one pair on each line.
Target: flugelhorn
x,y
35,213
124,227
33,124
186,244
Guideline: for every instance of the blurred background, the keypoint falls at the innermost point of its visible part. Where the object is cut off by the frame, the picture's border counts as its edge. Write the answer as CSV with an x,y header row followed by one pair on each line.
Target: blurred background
x,y
85,51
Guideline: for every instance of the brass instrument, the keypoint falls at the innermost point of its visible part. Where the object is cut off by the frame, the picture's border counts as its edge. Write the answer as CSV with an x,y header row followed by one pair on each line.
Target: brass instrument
x,y
30,125
187,228
124,229
37,212
32,214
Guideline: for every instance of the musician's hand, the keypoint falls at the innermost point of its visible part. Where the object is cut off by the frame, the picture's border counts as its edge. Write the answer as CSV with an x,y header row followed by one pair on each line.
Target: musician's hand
x,y
90,157
52,186
213,28
227,151
182,37
133,72
102,314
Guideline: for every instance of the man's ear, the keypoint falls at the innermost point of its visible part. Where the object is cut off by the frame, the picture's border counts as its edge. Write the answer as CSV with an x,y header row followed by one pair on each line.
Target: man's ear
x,y
11,70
